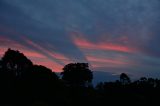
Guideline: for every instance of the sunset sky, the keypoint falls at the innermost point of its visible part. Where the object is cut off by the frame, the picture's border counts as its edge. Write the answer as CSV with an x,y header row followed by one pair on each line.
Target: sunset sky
x,y
113,36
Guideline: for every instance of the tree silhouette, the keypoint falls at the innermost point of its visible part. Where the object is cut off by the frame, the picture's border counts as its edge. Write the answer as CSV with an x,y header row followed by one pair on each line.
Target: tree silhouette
x,y
15,61
124,79
0,65
77,74
22,83
143,79
39,80
39,72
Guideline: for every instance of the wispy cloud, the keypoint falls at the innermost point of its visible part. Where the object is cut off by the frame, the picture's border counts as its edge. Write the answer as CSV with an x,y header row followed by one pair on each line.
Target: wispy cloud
x,y
83,43
115,35
35,56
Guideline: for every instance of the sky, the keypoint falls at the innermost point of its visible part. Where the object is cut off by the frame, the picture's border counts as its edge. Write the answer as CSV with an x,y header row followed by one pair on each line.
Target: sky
x,y
113,36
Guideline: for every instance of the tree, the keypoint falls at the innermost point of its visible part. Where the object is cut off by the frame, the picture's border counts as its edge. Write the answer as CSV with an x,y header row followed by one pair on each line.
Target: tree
x,y
77,74
40,73
15,61
143,79
100,86
39,82
124,79
0,65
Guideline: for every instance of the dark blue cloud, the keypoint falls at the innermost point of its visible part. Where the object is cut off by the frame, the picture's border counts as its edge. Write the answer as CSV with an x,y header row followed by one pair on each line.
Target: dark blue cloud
x,y
50,24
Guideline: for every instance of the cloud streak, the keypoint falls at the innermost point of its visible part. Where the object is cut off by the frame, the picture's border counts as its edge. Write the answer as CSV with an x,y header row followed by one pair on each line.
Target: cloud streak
x,y
36,57
82,42
115,35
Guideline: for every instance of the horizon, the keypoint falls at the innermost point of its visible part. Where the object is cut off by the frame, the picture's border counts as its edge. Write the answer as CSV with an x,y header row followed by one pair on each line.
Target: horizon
x,y
112,36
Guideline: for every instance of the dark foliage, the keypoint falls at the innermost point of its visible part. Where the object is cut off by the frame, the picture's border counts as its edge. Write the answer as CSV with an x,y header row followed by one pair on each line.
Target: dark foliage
x,y
15,62
124,79
77,74
25,84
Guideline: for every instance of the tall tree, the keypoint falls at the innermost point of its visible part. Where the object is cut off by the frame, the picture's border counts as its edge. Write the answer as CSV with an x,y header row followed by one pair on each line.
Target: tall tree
x,y
40,73
0,65
77,74
124,79
15,61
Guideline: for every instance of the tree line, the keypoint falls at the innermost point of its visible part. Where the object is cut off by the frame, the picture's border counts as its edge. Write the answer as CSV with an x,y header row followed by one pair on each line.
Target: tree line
x,y
27,84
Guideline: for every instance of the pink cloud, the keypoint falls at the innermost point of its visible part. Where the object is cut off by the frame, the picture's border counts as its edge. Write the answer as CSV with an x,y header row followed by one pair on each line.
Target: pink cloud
x,y
107,62
83,43
98,60
48,63
36,57
53,54
7,42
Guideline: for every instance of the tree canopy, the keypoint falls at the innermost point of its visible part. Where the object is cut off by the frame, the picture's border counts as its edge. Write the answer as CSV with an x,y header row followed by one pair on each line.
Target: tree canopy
x,y
15,61
77,73
124,78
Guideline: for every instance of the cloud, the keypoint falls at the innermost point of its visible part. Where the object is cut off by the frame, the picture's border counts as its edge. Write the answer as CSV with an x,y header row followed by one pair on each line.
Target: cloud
x,y
114,55
106,62
50,53
35,56
115,35
81,42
